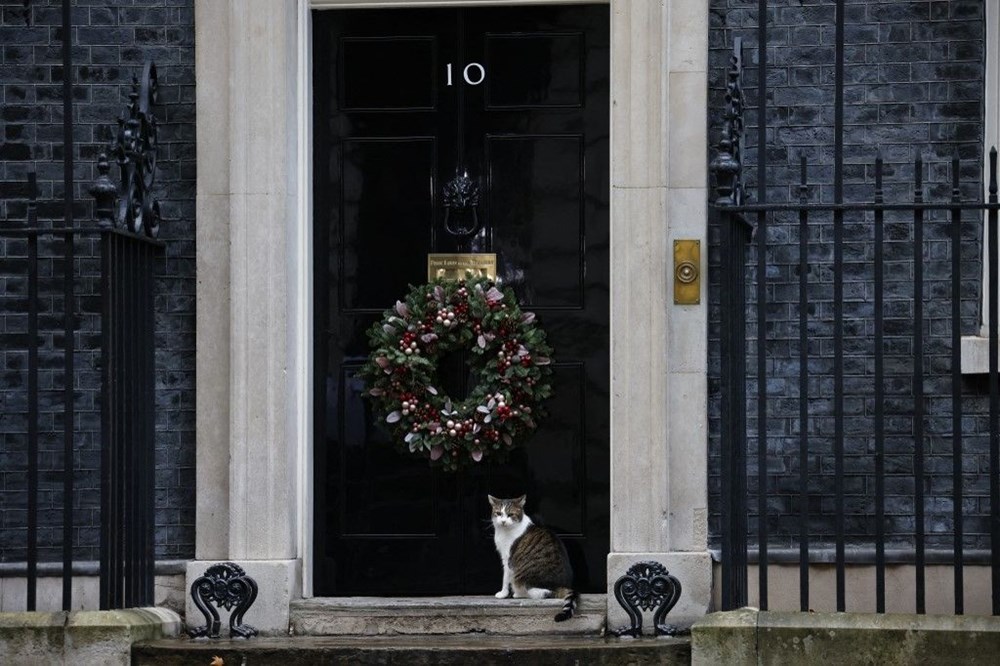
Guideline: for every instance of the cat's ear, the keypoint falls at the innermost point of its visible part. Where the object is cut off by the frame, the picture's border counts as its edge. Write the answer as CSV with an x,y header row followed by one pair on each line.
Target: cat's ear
x,y
493,501
521,500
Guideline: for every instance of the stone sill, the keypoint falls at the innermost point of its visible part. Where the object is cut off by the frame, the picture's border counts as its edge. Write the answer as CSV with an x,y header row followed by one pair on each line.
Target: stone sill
x,y
339,616
975,355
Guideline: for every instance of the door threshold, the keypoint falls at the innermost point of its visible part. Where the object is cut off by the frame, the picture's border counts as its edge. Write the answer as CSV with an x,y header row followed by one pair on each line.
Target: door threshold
x,y
377,616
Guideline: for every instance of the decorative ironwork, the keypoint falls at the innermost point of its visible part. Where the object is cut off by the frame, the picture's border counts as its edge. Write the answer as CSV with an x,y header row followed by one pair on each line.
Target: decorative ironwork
x,y
105,193
727,165
227,586
130,205
461,195
647,585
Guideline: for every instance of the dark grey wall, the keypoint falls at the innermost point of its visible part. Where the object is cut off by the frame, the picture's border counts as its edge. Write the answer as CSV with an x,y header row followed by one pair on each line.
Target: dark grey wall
x,y
111,39
914,84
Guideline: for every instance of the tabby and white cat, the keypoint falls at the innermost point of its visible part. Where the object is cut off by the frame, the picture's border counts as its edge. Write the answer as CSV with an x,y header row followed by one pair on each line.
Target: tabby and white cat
x,y
535,564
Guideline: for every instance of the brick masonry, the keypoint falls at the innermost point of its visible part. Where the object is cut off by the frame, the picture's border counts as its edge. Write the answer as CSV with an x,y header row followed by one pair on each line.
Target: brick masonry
x,y
111,39
914,83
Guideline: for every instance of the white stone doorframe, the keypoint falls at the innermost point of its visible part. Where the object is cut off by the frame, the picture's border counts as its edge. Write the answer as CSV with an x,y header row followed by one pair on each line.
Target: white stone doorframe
x,y
254,251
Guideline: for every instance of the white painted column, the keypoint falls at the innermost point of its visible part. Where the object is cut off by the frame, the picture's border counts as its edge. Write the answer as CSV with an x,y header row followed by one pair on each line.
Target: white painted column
x,y
659,484
247,205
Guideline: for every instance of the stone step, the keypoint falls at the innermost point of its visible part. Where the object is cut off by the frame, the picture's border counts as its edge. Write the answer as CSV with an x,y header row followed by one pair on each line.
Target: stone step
x,y
377,616
415,650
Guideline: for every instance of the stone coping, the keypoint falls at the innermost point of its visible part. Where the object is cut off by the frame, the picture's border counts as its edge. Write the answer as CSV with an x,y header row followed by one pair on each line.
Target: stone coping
x,y
749,636
84,568
81,637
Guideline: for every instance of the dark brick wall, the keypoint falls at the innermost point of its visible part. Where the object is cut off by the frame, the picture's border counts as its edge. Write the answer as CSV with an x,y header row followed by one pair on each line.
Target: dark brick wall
x,y
914,83
111,39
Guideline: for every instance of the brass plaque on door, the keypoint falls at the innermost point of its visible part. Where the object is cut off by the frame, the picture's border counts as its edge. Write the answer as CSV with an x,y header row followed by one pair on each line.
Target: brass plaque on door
x,y
687,272
461,266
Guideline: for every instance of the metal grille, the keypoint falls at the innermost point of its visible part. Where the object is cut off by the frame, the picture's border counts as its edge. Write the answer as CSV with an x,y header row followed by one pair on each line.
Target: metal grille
x,y
932,233
86,293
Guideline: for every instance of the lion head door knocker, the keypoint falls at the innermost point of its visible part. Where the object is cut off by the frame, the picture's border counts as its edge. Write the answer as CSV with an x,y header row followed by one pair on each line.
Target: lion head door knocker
x,y
645,586
460,197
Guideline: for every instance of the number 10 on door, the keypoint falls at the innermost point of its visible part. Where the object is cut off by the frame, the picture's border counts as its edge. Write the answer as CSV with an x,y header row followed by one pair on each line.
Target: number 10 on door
x,y
474,74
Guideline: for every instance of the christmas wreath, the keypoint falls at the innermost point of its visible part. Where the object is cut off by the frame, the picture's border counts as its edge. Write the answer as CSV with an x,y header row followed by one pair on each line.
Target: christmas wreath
x,y
509,356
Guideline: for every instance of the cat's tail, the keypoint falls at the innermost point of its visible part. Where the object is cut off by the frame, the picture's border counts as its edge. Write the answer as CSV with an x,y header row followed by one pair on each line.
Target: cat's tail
x,y
571,598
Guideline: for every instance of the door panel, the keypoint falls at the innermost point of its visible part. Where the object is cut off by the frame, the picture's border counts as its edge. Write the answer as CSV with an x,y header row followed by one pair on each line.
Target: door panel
x,y
543,176
384,212
369,62
389,132
534,70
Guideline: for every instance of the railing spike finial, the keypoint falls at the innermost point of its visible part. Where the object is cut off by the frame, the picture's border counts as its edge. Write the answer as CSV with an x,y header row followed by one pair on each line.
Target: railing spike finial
x,y
993,171
105,193
918,177
803,175
956,167
134,150
727,165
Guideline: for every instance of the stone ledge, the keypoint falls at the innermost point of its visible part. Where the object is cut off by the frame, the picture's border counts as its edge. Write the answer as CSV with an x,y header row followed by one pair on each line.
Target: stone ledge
x,y
370,616
975,355
81,637
417,651
749,636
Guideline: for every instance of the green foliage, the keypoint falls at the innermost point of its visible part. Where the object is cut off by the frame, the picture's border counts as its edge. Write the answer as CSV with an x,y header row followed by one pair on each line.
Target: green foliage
x,y
509,355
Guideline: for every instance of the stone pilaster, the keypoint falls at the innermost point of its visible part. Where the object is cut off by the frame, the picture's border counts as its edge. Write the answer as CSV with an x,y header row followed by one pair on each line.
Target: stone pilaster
x,y
659,355
247,205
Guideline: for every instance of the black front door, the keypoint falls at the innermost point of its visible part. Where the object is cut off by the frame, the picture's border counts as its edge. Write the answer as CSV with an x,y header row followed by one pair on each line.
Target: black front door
x,y
405,100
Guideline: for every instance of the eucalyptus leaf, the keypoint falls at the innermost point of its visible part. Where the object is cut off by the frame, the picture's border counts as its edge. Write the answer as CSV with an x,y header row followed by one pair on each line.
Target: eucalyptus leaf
x,y
393,417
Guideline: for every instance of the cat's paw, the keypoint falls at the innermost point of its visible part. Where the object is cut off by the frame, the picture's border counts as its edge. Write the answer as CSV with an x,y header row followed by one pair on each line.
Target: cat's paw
x,y
502,594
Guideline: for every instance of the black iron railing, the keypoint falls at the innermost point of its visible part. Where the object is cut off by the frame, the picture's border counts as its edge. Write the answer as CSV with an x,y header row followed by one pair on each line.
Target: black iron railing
x,y
86,293
127,419
891,430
